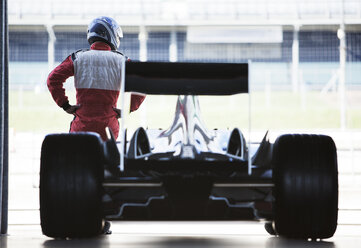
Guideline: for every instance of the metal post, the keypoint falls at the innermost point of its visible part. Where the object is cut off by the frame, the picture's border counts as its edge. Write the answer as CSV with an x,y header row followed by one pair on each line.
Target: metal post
x,y
341,88
173,49
51,48
143,37
4,119
249,118
122,113
295,58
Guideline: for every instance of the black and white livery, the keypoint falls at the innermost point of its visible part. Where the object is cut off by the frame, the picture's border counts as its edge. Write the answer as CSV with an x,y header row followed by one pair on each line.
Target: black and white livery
x,y
188,172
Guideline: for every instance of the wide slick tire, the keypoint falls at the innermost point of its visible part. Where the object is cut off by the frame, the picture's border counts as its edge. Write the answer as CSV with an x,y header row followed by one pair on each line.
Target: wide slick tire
x,y
71,176
306,186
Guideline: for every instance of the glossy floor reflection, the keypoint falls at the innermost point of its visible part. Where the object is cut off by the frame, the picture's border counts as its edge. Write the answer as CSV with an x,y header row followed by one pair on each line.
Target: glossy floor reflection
x,y
179,234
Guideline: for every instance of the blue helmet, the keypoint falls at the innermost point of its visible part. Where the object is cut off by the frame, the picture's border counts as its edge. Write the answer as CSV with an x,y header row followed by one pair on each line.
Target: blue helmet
x,y
105,29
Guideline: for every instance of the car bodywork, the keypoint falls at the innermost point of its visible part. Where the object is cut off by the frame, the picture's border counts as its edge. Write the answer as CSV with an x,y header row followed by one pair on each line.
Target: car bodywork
x,y
188,171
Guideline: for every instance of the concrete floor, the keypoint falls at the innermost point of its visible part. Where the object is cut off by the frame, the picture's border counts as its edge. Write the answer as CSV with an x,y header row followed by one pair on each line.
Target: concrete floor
x,y
179,234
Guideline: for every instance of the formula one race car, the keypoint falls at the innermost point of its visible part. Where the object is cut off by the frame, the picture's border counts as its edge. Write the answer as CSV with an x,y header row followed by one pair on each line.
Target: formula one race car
x,y
188,172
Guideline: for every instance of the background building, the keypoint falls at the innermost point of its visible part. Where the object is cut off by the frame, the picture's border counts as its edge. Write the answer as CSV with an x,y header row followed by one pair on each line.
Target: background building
x,y
296,41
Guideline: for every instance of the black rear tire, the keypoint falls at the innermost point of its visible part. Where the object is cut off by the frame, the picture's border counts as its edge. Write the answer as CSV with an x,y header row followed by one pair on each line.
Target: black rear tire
x,y
71,176
306,186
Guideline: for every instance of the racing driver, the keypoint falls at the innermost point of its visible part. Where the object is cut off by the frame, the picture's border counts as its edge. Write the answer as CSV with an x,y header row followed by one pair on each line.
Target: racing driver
x,y
97,76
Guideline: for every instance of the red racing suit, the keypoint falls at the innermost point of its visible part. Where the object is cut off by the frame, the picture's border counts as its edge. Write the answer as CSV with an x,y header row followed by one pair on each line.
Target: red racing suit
x,y
97,77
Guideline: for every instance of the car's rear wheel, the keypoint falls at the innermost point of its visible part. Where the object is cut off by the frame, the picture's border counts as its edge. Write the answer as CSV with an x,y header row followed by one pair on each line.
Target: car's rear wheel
x,y
306,186
71,177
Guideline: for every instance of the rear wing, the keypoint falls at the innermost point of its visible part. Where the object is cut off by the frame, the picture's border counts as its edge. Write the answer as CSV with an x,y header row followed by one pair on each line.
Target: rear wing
x,y
168,78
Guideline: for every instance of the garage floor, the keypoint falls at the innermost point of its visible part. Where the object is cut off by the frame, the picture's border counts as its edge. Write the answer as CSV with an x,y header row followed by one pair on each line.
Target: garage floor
x,y
179,234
